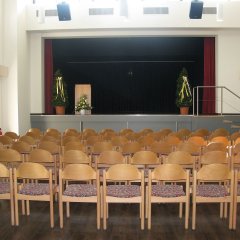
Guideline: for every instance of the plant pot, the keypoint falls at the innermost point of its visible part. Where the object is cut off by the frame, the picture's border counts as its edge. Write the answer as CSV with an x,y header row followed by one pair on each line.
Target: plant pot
x,y
60,110
184,110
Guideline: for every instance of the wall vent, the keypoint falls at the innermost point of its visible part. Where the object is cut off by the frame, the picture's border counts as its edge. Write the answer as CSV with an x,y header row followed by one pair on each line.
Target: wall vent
x,y
100,11
155,10
209,10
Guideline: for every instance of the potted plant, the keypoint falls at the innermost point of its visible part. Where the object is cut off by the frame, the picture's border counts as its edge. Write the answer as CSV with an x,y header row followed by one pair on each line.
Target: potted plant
x,y
83,106
60,94
183,93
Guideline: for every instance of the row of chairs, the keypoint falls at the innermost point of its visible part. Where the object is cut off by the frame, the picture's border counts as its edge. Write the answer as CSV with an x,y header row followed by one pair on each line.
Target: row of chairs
x,y
122,183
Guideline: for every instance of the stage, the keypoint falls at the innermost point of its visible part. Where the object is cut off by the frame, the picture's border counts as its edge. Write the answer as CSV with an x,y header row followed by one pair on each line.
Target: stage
x,y
135,122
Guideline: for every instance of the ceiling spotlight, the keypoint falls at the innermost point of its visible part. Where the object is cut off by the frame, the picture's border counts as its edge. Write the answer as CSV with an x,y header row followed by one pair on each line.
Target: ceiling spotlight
x,y
196,9
63,12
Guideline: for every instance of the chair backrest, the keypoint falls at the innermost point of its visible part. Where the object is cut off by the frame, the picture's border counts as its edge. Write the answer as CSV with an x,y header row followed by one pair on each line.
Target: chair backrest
x,y
30,170
110,157
146,140
215,146
36,131
119,141
12,135
221,139
49,146
73,145
144,158
189,147
21,147
75,156
131,148
125,131
169,172
214,157
40,156
28,139
67,139
172,140
4,171
6,140
80,172
213,172
161,148
90,141
10,157
198,140
123,172
184,132
145,131
180,157
99,147
71,132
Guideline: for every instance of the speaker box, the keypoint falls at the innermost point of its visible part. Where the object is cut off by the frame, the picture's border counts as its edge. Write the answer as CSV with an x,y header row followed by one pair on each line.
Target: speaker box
x,y
196,10
63,12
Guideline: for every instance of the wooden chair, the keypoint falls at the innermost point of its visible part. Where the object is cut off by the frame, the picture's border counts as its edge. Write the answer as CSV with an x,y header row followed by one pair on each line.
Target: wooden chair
x,y
23,148
215,146
162,149
6,141
198,140
10,157
73,145
145,131
31,189
107,159
145,160
183,158
213,183
184,133
168,183
78,191
12,135
30,140
125,131
215,157
71,132
172,140
46,159
236,198
113,193
36,131
130,148
118,142
6,188
146,141
67,139
74,157
221,139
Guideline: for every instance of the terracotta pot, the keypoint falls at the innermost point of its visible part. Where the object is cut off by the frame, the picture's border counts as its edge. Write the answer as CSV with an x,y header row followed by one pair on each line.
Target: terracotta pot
x,y
60,110
184,110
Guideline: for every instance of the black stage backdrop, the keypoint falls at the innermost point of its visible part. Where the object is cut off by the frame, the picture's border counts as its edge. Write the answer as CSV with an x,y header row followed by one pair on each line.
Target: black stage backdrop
x,y
134,75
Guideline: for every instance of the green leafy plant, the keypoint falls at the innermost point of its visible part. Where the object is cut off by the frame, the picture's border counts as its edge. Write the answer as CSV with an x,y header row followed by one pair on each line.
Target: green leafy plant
x,y
60,94
183,92
82,104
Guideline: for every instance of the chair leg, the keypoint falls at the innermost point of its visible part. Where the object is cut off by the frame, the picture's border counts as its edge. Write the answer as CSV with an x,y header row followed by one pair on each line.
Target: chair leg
x,y
98,215
51,212
60,207
104,215
194,216
221,210
149,217
186,214
180,210
28,207
231,212
68,209
142,215
225,210
12,211
23,207
16,212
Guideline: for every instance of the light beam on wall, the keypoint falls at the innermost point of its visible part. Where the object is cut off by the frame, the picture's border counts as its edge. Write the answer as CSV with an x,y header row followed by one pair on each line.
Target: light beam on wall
x,y
219,12
124,8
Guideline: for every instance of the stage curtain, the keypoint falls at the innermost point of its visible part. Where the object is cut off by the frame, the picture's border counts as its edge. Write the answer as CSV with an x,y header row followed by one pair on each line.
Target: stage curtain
x,y
208,105
48,75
